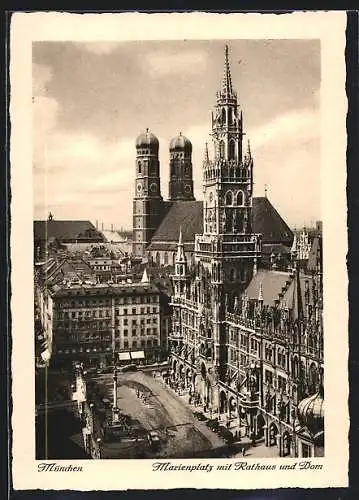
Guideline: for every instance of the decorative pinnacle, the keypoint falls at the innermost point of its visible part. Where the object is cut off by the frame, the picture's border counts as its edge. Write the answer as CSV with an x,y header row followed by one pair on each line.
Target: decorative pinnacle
x,y
227,80
206,155
260,293
249,152
180,237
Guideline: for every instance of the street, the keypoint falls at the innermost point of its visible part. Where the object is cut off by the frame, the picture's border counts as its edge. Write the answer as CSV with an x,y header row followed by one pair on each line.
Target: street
x,y
152,405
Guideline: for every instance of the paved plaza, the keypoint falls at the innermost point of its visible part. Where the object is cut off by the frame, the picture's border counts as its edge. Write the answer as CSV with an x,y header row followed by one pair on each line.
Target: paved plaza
x,y
152,405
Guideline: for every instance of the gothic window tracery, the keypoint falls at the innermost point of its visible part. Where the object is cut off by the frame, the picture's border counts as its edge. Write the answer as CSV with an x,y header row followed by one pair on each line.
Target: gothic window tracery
x,y
230,116
232,150
240,198
229,198
221,149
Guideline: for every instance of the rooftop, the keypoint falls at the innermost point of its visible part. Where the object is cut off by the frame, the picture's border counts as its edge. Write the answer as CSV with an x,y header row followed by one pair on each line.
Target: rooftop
x,y
65,230
189,216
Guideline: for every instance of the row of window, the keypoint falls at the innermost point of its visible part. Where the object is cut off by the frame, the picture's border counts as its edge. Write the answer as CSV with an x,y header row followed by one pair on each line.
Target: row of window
x,y
105,313
107,302
142,343
134,321
148,331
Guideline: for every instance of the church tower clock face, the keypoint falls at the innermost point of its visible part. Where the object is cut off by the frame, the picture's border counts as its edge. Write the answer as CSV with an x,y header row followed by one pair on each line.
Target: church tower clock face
x,y
153,187
139,188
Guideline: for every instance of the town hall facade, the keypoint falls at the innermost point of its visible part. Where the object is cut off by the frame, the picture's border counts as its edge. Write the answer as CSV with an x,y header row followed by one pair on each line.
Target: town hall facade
x,y
247,335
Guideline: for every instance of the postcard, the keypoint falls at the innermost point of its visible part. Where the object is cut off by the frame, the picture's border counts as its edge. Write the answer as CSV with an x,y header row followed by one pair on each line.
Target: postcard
x,y
178,250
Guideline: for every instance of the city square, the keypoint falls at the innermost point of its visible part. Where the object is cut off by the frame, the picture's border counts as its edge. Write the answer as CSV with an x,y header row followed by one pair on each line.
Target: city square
x,y
199,331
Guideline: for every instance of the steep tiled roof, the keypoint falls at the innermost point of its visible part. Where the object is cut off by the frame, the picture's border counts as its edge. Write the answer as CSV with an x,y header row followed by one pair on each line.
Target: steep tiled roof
x,y
272,283
296,301
268,222
65,230
189,215
315,255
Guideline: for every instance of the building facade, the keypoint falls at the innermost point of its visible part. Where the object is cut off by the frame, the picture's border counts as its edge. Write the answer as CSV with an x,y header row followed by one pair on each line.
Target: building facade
x,y
246,342
93,322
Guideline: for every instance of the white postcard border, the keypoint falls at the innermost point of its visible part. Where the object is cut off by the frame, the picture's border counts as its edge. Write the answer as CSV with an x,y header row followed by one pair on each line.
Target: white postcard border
x,y
329,27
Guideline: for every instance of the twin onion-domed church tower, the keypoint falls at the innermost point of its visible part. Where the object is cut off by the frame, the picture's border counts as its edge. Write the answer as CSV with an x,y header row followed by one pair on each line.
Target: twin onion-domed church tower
x,y
148,204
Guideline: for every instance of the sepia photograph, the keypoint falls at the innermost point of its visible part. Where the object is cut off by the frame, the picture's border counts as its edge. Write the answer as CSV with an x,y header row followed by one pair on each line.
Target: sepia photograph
x,y
180,252
178,286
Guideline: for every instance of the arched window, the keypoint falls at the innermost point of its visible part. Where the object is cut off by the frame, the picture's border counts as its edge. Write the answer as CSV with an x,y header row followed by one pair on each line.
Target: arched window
x,y
158,261
229,198
221,149
166,258
232,150
173,258
240,198
230,116
223,116
139,167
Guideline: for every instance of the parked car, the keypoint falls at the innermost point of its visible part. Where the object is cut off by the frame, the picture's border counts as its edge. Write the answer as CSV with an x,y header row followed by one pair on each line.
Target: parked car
x,y
128,368
200,416
225,434
212,424
154,440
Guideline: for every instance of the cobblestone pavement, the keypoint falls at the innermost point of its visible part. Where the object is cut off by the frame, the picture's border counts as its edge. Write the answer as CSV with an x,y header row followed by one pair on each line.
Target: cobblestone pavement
x,y
154,406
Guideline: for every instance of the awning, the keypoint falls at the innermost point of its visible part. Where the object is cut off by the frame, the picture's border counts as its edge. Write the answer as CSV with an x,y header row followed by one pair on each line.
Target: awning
x,y
124,356
138,355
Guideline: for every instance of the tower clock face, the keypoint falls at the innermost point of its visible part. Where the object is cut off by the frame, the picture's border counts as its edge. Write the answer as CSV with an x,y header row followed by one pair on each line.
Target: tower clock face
x,y
153,187
187,188
139,188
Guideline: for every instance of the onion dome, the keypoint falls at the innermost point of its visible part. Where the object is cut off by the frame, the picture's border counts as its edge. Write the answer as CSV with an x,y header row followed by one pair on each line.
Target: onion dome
x,y
181,143
147,140
311,413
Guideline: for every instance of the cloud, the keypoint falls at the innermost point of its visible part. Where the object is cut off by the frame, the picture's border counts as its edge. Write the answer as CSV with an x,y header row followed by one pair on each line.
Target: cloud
x,y
78,172
166,62
293,126
286,154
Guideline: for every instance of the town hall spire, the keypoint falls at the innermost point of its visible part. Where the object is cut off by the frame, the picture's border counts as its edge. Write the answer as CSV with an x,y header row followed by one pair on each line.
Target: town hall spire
x,y
227,79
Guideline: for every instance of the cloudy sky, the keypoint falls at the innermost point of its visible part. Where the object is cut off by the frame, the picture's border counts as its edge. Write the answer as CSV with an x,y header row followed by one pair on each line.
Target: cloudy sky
x,y
91,100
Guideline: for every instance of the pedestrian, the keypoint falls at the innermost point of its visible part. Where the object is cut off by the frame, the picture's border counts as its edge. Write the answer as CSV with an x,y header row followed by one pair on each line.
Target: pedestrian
x,y
243,451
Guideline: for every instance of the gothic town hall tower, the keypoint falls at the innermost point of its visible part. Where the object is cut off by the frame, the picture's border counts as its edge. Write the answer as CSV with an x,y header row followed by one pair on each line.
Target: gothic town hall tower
x,y
227,253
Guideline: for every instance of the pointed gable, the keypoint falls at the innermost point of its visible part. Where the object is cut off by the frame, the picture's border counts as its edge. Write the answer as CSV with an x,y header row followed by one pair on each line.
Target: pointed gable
x,y
268,222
